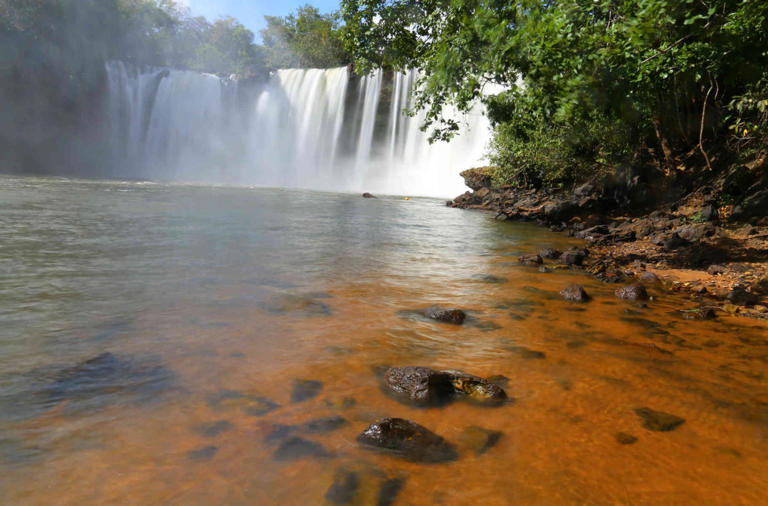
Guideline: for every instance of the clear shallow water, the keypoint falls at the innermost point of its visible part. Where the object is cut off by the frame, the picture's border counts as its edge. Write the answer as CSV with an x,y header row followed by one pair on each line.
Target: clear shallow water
x,y
200,306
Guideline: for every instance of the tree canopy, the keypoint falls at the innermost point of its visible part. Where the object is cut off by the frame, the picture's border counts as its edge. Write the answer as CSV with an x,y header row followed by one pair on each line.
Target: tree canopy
x,y
588,83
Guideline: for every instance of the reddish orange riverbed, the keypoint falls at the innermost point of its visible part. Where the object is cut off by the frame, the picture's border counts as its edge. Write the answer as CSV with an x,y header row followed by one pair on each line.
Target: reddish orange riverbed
x,y
598,363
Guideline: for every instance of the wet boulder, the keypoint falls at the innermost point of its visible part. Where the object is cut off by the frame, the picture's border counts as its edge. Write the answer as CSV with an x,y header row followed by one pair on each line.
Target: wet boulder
x,y
533,260
428,387
419,385
367,195
445,315
658,420
635,291
702,313
550,253
574,293
407,440
649,278
573,257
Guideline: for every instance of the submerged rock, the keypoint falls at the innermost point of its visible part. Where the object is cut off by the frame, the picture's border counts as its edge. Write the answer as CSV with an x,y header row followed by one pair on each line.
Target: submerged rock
x,y
305,389
574,293
489,278
479,440
446,315
205,453
343,488
302,305
407,440
253,405
324,424
213,429
700,314
295,448
634,291
92,384
428,387
389,491
658,420
625,439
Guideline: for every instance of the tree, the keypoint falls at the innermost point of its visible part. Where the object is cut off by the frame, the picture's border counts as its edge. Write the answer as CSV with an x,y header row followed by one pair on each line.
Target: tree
x,y
304,39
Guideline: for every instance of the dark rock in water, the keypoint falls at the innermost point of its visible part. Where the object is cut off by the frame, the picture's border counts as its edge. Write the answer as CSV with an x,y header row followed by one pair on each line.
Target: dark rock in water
x,y
389,490
551,254
305,389
489,278
446,315
419,385
574,293
253,405
658,420
205,453
90,385
634,291
648,277
700,314
295,448
428,387
530,260
325,424
625,439
573,257
213,429
280,432
301,305
479,440
345,402
740,297
343,488
527,353
367,195
408,440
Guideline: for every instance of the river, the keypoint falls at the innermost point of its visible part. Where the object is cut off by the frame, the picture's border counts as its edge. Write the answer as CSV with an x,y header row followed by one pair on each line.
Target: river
x,y
157,338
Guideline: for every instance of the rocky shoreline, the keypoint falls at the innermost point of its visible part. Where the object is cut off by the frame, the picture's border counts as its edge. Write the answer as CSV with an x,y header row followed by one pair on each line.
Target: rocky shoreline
x,y
715,254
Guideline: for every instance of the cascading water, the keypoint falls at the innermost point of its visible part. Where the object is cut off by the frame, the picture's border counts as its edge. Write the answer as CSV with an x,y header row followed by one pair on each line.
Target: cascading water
x,y
306,128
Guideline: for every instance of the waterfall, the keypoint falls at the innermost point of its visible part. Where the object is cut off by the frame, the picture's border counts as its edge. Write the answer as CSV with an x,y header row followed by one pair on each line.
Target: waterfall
x,y
305,128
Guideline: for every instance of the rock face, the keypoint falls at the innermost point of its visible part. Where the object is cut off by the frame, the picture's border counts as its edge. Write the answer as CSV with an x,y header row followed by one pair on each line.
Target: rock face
x,y
574,293
407,440
658,420
635,291
477,178
446,315
427,387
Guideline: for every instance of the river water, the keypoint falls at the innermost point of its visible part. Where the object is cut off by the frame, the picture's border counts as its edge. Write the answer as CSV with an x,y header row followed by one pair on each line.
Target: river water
x,y
153,337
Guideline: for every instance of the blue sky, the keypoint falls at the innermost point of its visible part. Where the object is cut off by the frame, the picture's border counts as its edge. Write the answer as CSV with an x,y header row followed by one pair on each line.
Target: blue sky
x,y
251,12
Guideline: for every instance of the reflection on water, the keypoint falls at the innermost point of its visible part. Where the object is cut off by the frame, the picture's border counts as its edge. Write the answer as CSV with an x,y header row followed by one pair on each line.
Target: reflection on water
x,y
198,345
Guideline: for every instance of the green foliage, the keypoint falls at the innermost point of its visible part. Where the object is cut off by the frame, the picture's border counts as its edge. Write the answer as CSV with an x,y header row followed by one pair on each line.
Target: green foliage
x,y
305,39
589,83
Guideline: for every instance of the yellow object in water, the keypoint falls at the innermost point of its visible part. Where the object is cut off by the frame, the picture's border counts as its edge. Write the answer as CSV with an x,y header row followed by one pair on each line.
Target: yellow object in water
x,y
406,198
